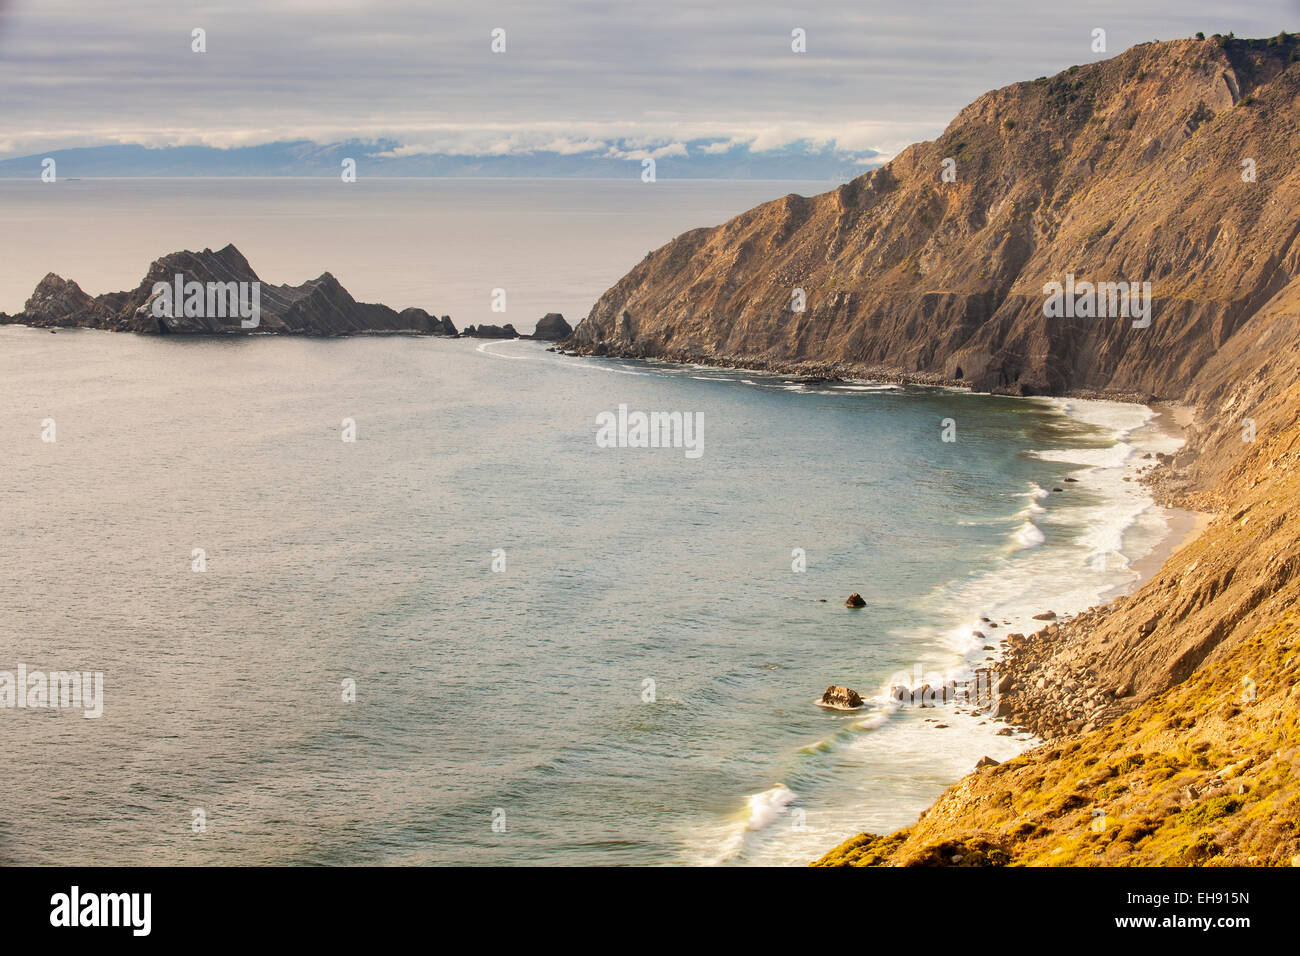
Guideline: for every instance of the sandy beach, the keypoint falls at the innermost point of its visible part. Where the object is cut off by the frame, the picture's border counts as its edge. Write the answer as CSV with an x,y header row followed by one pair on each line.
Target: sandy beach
x,y
1184,526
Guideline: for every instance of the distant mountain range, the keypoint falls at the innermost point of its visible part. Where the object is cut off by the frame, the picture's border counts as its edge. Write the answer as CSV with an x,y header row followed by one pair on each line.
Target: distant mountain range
x,y
614,159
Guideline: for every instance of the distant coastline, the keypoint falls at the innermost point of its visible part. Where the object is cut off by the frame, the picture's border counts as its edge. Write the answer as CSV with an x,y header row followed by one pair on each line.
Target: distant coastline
x,y
703,158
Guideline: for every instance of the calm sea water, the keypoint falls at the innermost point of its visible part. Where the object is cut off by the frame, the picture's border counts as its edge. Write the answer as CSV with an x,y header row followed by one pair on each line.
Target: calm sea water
x,y
508,716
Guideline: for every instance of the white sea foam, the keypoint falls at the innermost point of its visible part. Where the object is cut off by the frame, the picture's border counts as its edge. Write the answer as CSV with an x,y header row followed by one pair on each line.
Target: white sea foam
x,y
1029,535
1120,523
761,811
766,807
874,722
1110,474
1113,457
1035,495
483,348
839,707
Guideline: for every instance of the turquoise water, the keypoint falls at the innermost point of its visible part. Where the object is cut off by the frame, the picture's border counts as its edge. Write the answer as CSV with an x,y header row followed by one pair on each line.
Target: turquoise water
x,y
516,696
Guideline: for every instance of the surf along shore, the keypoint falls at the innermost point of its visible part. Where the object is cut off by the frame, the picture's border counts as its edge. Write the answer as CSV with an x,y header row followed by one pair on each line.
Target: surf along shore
x,y
1169,715
1143,704
1054,701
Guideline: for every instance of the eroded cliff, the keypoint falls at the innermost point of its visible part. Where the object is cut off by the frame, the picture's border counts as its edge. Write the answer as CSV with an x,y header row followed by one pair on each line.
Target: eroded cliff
x,y
1129,169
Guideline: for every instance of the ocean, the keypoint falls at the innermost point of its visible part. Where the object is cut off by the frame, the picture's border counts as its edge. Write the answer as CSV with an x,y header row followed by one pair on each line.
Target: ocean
x,y
473,634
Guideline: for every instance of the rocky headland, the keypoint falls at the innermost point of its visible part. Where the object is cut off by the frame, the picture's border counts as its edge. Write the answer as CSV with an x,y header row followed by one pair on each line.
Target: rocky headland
x,y
320,306
1171,714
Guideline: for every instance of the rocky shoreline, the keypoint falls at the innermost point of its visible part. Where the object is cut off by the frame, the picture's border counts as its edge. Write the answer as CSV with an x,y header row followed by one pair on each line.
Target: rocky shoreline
x,y
1048,695
1049,683
1139,700
842,371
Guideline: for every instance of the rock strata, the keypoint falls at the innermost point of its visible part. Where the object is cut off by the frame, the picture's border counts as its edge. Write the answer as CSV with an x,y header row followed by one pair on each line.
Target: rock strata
x,y
1126,169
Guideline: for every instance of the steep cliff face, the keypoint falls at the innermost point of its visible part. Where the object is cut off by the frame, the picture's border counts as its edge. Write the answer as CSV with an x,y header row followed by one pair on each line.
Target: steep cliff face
x,y
1129,169
318,307
1186,752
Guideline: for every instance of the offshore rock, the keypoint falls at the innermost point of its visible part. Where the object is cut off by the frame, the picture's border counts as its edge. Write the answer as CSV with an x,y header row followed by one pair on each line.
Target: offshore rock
x,y
320,306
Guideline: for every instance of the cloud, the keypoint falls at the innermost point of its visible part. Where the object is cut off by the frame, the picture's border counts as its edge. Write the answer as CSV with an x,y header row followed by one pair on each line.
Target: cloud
x,y
656,152
577,77
723,146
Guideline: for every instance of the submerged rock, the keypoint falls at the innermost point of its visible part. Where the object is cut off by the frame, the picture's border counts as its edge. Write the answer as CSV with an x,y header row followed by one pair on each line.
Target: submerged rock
x,y
855,600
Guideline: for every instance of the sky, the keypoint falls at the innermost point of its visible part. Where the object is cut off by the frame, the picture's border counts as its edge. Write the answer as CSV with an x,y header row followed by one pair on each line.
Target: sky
x,y
576,75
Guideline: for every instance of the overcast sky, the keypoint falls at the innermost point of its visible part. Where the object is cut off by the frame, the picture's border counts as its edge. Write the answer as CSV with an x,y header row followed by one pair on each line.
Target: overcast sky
x,y
878,74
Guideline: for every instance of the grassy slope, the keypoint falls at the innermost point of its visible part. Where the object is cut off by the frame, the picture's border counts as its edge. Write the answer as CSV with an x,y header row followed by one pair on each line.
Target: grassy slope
x,y
1238,757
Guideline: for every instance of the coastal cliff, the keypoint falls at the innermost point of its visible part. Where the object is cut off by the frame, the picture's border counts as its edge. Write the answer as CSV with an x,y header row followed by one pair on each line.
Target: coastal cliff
x,y
1128,169
1170,714
320,306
